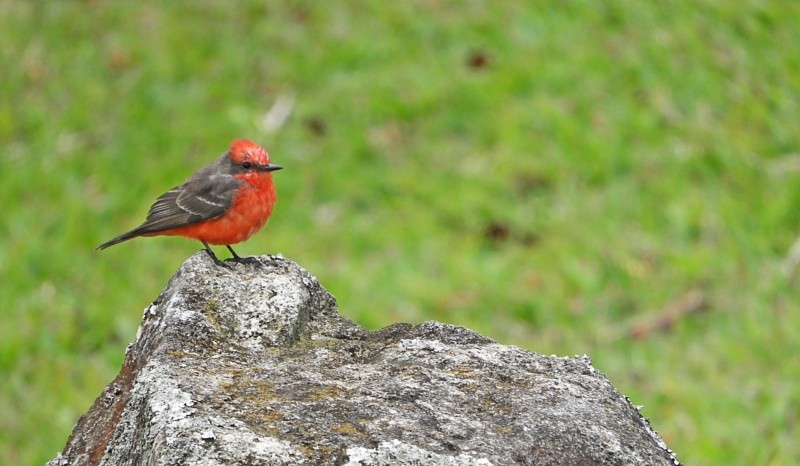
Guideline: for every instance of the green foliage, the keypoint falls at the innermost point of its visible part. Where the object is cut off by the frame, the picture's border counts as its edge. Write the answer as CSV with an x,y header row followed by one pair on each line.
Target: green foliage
x,y
549,174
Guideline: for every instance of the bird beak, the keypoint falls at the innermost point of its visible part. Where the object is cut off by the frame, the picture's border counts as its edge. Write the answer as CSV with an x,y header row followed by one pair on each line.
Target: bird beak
x,y
270,168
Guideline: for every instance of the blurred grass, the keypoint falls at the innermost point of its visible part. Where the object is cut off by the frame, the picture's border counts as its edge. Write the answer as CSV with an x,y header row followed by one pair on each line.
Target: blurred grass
x,y
548,175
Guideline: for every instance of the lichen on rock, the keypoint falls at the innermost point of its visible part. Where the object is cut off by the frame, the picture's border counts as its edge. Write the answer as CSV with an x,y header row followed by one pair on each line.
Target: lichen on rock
x,y
254,365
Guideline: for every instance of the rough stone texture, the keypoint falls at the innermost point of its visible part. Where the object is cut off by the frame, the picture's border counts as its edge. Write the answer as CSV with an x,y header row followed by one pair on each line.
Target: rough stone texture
x,y
254,365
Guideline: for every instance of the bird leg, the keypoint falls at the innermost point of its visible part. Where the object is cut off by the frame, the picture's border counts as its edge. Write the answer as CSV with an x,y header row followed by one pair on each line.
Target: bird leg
x,y
214,256
242,260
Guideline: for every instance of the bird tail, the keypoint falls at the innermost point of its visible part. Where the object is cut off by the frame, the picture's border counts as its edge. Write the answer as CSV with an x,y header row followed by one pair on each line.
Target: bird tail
x,y
123,237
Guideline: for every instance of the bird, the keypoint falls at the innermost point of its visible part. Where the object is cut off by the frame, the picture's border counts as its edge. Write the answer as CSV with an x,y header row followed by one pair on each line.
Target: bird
x,y
223,203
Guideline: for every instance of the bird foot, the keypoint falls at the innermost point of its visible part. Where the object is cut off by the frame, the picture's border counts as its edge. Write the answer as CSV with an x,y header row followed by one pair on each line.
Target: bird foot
x,y
223,264
242,260
245,260
215,258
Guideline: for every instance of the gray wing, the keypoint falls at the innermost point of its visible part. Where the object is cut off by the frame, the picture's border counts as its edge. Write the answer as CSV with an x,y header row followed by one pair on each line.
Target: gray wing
x,y
196,200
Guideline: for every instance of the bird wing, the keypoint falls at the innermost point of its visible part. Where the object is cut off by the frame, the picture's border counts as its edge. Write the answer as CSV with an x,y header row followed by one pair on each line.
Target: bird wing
x,y
196,200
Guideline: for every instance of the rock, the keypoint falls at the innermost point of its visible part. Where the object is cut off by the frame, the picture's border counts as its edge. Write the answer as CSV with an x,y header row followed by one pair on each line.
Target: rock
x,y
254,365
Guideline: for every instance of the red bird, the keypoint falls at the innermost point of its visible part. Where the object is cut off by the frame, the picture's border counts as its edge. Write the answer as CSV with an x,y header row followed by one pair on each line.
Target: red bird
x,y
223,203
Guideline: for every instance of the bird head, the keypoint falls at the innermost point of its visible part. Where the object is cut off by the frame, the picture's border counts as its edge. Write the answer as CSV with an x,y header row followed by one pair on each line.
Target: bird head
x,y
250,156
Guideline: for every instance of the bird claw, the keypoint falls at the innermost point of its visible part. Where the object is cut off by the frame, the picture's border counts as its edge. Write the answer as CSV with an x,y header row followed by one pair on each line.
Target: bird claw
x,y
223,264
245,260
242,260
215,258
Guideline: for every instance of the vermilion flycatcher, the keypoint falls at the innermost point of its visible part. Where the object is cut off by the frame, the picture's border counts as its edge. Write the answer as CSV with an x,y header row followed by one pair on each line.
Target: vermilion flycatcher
x,y
223,203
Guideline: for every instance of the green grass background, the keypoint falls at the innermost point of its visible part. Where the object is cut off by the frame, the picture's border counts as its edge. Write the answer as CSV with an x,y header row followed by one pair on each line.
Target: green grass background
x,y
549,174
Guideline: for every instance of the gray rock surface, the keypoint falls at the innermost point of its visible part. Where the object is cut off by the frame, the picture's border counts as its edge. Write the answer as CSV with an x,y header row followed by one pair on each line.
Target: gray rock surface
x,y
254,365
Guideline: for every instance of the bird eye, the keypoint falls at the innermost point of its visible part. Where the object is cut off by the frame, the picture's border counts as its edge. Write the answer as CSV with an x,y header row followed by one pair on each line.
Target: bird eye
x,y
246,165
